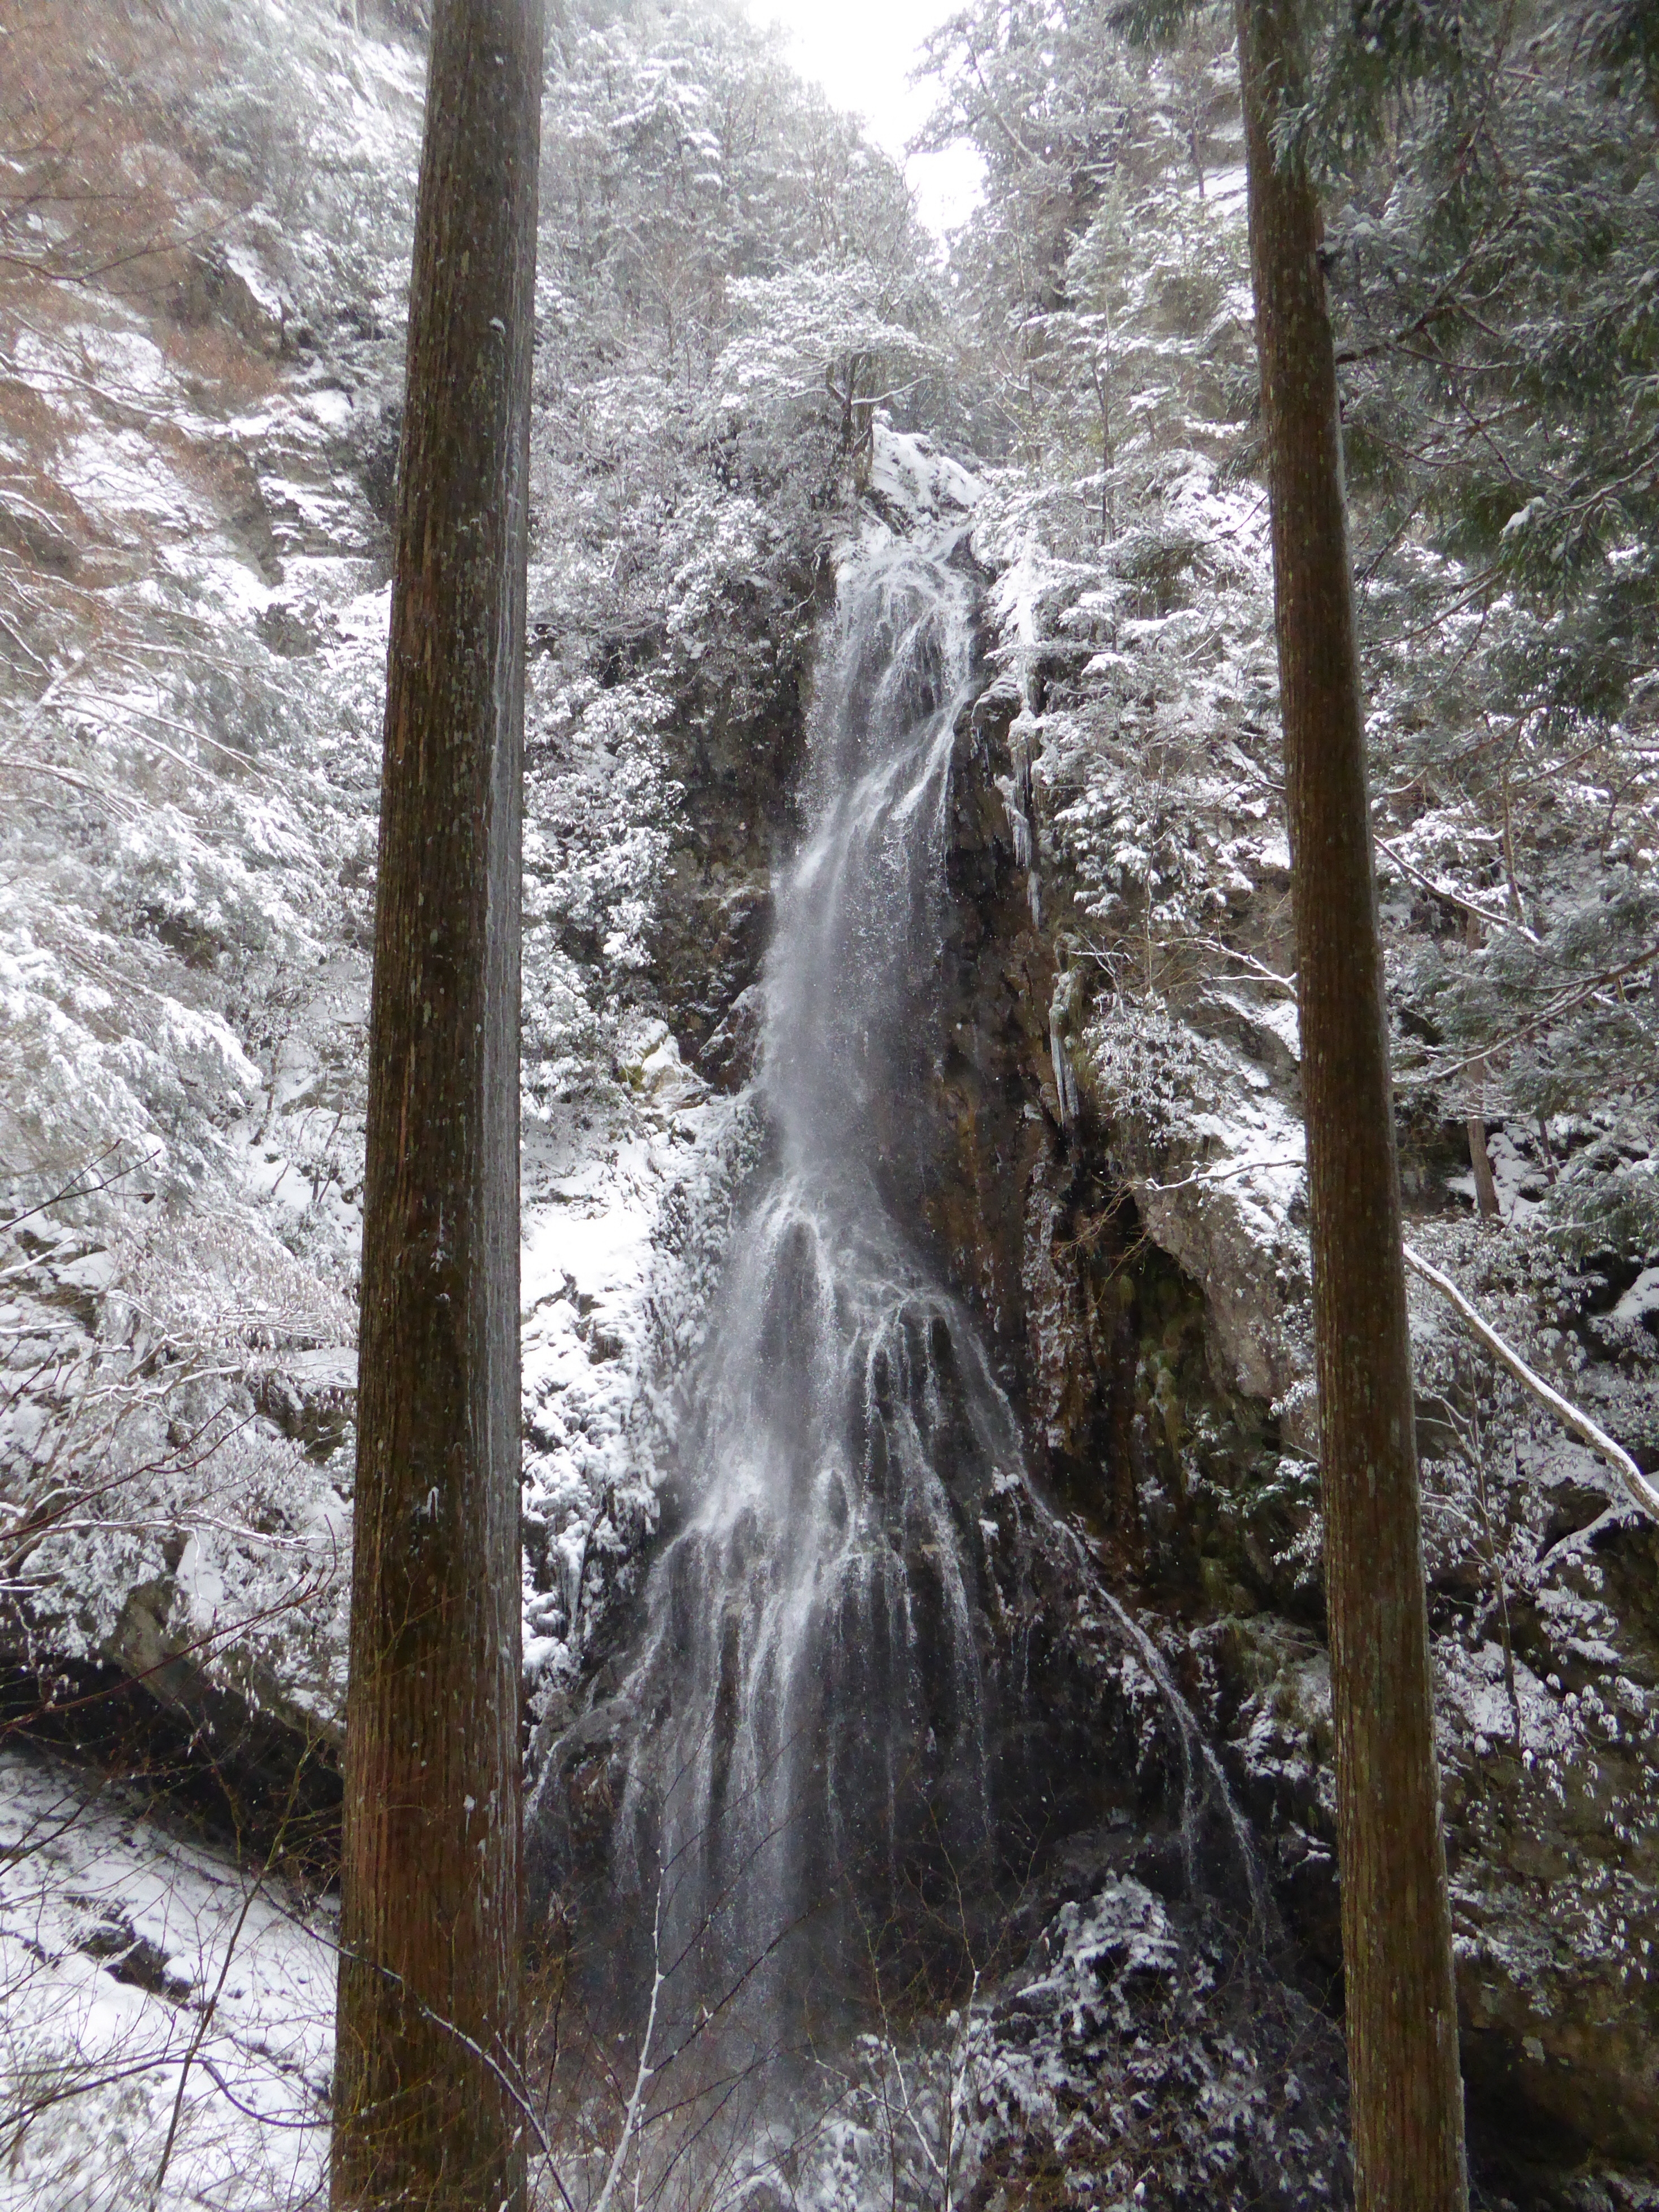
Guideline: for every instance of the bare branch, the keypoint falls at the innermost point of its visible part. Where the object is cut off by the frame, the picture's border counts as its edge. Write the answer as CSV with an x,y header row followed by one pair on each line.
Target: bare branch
x,y
643,2074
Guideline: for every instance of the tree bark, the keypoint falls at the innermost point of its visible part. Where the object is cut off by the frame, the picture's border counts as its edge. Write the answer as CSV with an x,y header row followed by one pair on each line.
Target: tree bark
x,y
427,2051
1408,2103
1486,1190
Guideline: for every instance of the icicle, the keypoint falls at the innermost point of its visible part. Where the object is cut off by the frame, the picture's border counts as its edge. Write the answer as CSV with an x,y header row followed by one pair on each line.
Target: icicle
x,y
1019,799
1019,824
1062,1009
1065,1081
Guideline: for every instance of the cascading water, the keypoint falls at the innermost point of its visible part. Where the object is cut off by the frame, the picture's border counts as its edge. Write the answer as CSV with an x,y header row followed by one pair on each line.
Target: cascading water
x,y
837,1634
811,1679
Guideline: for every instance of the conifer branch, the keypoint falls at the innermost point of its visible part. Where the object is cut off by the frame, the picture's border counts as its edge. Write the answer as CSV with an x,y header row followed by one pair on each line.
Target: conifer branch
x,y
1453,898
1564,1004
1641,1492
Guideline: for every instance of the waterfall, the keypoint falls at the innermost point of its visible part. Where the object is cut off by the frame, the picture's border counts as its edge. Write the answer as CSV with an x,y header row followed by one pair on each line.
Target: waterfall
x,y
811,1674
805,1822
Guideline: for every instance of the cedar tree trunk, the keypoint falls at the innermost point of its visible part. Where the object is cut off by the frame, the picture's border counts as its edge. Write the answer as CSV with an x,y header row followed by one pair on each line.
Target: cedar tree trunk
x,y
427,2047
1486,1190
1397,1925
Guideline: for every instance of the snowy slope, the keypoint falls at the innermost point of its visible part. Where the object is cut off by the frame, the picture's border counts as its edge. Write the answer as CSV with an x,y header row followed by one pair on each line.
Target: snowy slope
x,y
146,1979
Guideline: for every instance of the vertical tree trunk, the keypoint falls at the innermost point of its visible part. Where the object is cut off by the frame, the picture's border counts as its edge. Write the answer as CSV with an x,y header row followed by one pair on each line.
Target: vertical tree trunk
x,y
429,1992
1486,1190
1396,1928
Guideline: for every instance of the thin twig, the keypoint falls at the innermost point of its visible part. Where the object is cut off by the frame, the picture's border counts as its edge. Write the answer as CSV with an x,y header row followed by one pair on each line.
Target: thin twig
x,y
642,2076
17,1220
207,2010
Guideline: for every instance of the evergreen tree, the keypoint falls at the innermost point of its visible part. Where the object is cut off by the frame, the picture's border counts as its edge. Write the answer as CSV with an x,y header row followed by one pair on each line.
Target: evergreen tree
x,y
1093,280
428,2048
1396,1920
1493,259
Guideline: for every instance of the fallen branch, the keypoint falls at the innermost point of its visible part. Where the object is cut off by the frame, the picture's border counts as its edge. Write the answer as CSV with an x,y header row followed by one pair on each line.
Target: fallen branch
x,y
1641,1492
1222,1174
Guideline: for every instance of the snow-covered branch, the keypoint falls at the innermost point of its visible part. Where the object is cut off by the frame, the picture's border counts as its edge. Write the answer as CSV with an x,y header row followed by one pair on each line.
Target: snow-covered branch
x,y
1587,1431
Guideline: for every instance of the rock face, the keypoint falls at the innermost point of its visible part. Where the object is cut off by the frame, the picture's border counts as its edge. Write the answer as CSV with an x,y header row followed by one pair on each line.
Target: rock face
x,y
741,773
1137,2053
1148,1315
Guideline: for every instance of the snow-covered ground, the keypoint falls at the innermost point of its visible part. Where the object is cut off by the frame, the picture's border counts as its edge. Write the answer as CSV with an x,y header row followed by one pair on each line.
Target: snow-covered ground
x,y
159,2001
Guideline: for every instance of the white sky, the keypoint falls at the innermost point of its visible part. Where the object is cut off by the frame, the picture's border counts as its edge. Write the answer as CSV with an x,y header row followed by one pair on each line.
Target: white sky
x,y
862,51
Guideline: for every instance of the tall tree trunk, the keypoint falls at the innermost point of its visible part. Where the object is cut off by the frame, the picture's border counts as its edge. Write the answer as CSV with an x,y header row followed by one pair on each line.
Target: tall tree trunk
x,y
1397,1926
1486,1190
427,2050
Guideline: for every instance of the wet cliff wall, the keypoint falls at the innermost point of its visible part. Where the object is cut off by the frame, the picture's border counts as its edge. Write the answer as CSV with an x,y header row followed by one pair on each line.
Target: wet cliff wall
x,y
1116,1192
